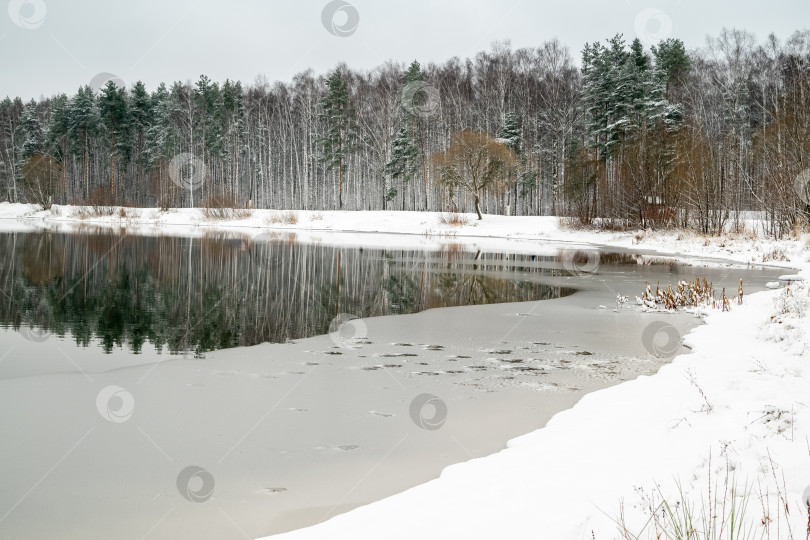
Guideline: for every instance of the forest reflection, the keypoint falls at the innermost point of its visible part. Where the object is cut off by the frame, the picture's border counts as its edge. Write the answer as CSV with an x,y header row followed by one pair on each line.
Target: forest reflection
x,y
187,295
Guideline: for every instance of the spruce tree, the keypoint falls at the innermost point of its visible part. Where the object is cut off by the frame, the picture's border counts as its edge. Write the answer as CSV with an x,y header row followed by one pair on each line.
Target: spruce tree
x,y
404,163
407,151
30,132
338,116
510,133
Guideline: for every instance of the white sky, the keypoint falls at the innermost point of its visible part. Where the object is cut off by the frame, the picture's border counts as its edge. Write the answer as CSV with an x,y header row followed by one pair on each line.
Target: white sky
x,y
163,40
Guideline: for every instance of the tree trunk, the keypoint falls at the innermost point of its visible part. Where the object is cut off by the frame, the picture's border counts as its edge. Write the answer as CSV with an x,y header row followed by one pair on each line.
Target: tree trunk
x,y
424,164
478,207
112,170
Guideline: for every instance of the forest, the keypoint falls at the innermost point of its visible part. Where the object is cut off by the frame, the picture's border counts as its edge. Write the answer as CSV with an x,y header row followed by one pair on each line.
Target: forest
x,y
624,136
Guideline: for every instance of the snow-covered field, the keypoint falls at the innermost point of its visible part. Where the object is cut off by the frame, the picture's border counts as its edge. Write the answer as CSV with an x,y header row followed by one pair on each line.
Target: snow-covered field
x,y
730,419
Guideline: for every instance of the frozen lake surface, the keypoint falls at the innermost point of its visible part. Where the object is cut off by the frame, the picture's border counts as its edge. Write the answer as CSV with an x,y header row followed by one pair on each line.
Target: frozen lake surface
x,y
126,360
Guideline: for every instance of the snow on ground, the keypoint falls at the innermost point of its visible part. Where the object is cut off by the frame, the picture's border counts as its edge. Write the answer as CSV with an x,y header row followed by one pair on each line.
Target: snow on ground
x,y
734,415
412,229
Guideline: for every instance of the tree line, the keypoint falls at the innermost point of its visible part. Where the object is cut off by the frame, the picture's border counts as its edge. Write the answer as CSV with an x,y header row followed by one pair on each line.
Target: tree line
x,y
630,136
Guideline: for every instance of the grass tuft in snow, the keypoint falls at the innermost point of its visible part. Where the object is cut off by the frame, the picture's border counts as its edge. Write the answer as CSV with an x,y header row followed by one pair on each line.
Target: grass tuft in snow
x,y
723,512
453,219
288,218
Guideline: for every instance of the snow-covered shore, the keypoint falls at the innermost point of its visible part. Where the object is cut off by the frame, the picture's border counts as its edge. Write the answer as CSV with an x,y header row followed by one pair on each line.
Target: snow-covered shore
x,y
735,411
738,403
403,229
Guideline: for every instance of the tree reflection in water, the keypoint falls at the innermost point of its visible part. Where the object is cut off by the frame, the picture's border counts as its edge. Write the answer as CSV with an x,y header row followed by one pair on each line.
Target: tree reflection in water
x,y
220,291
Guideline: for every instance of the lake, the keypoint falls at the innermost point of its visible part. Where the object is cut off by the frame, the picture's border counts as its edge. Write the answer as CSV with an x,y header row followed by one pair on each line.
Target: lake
x,y
229,386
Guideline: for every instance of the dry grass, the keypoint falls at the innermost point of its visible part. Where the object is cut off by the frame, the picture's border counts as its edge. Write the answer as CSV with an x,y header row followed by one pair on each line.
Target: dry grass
x,y
101,202
226,214
687,293
223,206
453,219
289,218
317,216
88,212
722,512
573,224
743,231
776,254
722,515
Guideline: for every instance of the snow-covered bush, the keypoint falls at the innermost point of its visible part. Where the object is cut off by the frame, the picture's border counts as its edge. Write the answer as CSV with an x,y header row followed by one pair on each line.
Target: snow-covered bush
x,y
788,320
793,301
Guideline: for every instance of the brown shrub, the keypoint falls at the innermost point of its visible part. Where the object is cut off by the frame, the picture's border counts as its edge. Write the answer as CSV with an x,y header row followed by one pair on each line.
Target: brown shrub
x,y
223,206
289,217
454,219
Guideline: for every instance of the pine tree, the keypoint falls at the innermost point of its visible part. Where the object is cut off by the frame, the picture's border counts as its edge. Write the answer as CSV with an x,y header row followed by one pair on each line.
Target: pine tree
x,y
415,123
595,94
112,104
84,126
140,120
58,132
208,114
162,137
339,142
673,64
233,116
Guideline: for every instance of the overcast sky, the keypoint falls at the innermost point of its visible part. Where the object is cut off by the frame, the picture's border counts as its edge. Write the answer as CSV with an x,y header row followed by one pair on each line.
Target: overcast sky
x,y
50,46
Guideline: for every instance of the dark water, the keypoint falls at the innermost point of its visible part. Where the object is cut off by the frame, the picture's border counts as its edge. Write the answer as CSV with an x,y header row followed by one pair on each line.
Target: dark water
x,y
198,295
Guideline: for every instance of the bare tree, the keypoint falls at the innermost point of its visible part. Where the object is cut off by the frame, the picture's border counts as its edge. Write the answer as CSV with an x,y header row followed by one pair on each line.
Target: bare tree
x,y
476,163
